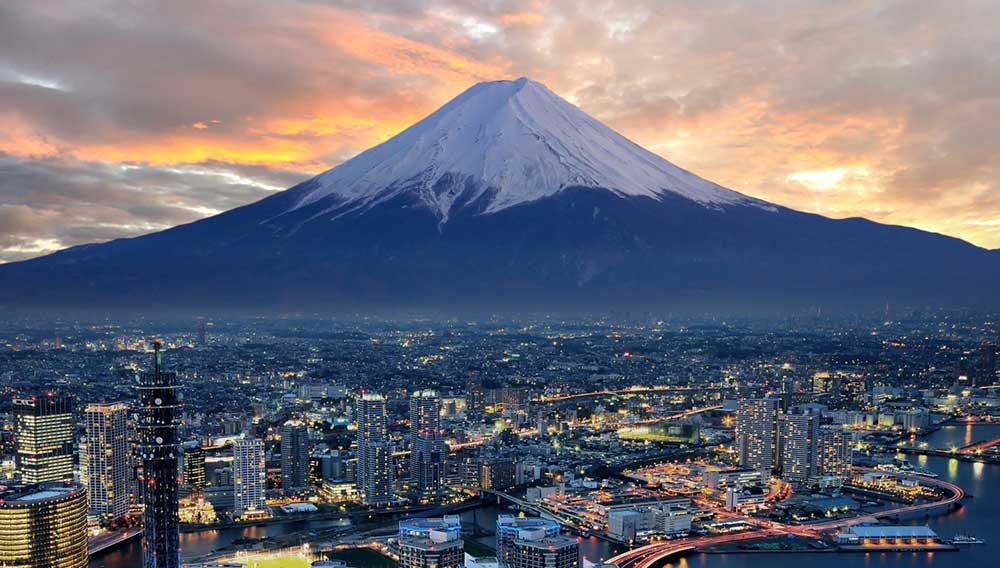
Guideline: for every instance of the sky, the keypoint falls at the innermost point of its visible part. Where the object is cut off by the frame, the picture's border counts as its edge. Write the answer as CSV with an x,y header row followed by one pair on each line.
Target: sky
x,y
123,118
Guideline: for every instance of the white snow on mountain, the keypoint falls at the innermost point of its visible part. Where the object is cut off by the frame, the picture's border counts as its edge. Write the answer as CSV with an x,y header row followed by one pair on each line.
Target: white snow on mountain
x,y
516,142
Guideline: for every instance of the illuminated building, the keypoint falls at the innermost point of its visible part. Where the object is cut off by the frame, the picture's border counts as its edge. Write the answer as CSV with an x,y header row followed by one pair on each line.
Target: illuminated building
x,y
545,552
438,546
375,468
104,460
196,509
194,465
249,477
156,429
428,449
756,423
511,529
43,526
294,455
43,430
799,438
835,455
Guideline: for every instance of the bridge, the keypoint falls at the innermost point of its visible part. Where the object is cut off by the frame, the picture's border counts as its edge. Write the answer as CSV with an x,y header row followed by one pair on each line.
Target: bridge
x,y
631,390
652,554
979,447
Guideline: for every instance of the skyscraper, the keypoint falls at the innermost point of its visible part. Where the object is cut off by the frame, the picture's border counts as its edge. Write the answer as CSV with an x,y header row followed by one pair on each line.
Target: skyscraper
x,y
44,526
194,464
986,372
428,448
294,455
799,446
756,423
835,454
249,477
375,468
43,430
156,430
104,460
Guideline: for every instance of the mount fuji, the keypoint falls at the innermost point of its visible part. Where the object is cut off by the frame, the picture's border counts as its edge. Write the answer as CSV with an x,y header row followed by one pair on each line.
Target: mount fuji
x,y
508,197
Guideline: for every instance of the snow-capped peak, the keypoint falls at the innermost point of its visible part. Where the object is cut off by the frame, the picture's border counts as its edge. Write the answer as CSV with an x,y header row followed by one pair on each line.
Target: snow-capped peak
x,y
508,142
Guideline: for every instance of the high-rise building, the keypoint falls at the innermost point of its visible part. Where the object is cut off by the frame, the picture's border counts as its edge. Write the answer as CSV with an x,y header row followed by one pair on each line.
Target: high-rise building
x,y
835,454
532,551
431,543
156,430
104,460
428,449
43,526
43,430
294,455
986,374
756,433
511,528
193,464
799,435
249,477
375,467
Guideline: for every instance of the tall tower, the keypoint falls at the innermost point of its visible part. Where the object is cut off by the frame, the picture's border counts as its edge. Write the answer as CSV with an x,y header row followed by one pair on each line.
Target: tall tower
x,y
428,449
249,477
799,446
104,460
43,430
756,429
375,467
156,429
294,455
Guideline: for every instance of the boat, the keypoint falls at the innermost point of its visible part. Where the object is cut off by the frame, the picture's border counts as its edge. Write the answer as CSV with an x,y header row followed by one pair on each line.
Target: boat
x,y
966,539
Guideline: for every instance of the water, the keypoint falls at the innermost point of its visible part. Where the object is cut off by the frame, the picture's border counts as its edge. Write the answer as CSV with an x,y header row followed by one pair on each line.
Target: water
x,y
979,516
129,555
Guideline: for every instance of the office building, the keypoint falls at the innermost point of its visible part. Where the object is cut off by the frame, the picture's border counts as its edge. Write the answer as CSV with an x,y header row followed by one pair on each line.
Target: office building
x,y
249,477
375,472
156,429
294,455
799,437
193,465
428,449
43,433
756,433
433,543
511,528
104,461
325,466
43,526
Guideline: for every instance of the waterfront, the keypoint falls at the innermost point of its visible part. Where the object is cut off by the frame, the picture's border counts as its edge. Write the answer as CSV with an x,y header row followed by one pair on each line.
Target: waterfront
x,y
979,516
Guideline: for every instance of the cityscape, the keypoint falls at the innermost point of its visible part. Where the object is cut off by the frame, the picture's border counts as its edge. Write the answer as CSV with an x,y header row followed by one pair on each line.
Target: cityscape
x,y
626,441
499,284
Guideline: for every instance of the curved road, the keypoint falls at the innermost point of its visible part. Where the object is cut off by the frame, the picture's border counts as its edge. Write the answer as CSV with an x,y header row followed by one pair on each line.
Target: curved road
x,y
651,554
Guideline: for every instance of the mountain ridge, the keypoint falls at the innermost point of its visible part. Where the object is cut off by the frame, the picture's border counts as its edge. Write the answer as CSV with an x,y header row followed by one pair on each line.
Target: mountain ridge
x,y
410,224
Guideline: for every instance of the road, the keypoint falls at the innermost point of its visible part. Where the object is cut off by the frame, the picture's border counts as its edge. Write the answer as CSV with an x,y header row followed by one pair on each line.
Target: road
x,y
651,554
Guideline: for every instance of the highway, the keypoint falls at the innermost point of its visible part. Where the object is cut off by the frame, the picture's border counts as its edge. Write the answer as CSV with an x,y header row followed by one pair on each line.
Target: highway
x,y
651,554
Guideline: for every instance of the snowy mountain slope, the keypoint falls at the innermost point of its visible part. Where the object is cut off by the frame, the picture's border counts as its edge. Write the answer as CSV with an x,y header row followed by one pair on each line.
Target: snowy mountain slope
x,y
508,142
507,198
